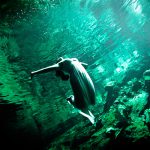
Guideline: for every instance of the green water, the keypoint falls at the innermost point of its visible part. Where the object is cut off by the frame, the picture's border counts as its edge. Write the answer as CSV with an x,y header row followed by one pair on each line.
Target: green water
x,y
111,36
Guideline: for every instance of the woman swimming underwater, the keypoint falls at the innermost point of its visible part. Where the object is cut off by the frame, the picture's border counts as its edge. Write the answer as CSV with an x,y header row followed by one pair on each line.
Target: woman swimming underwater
x,y
81,83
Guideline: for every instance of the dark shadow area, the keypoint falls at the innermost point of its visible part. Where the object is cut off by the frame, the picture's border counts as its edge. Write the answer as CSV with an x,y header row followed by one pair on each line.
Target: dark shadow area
x,y
12,135
124,143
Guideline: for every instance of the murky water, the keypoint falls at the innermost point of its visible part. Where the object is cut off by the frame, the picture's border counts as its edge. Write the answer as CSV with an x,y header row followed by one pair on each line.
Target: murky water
x,y
111,36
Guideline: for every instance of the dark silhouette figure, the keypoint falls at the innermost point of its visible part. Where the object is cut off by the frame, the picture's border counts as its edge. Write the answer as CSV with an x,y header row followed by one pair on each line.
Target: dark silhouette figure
x,y
81,83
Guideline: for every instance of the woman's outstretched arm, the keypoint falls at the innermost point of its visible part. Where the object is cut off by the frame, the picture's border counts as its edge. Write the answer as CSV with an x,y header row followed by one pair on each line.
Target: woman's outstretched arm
x,y
45,70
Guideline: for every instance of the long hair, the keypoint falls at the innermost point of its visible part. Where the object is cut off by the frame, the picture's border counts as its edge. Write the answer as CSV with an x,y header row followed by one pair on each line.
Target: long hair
x,y
60,73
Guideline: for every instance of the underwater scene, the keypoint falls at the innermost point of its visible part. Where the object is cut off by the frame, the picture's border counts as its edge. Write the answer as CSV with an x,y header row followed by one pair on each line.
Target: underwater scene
x,y
74,74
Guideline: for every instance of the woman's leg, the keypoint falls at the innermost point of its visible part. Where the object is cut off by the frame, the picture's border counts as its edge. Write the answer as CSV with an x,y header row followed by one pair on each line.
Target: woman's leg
x,y
86,113
70,99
